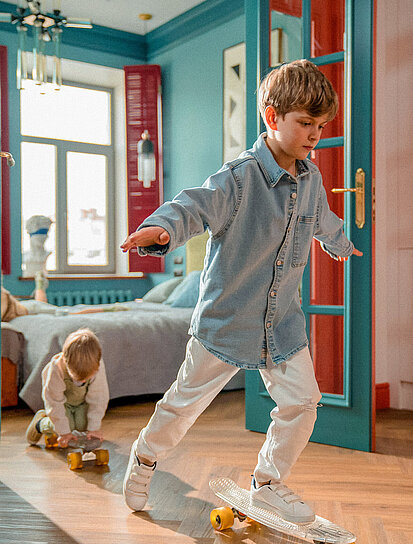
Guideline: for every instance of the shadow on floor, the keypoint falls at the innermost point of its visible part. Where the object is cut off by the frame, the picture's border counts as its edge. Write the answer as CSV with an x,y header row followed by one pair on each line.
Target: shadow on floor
x,y
20,522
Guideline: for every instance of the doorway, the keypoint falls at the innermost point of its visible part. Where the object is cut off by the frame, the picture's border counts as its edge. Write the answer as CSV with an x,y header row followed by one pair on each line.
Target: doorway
x,y
336,297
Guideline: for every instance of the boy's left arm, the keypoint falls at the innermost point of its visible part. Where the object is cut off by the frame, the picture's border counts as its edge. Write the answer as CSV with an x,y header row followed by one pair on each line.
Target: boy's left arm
x,y
329,231
97,399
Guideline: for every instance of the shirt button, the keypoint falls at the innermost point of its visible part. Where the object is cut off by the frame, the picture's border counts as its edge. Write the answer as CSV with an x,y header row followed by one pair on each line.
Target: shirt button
x,y
268,324
293,195
279,263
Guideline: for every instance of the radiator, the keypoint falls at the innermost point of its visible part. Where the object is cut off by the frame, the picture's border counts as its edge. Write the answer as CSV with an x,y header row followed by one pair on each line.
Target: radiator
x,y
105,296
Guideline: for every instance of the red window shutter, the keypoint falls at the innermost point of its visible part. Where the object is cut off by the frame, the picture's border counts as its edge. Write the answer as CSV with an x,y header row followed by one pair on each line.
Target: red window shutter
x,y
5,169
143,112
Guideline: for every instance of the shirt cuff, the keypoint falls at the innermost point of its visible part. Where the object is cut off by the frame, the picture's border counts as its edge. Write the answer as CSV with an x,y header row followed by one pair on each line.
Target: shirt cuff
x,y
156,249
345,252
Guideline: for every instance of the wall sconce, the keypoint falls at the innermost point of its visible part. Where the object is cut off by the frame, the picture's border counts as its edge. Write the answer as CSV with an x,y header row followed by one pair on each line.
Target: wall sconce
x,y
146,160
47,27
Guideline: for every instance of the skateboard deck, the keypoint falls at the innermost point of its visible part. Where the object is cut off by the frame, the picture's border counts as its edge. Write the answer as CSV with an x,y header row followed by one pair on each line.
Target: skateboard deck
x,y
320,531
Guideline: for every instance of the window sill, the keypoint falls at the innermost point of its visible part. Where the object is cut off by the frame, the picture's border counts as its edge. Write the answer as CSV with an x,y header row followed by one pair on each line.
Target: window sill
x,y
52,277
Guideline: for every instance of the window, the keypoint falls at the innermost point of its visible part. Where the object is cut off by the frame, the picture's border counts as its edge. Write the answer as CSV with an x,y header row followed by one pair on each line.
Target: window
x,y
68,174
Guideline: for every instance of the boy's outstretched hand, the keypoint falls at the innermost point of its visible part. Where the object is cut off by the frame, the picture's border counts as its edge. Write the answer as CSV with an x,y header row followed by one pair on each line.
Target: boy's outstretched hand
x,y
355,252
95,434
145,237
64,439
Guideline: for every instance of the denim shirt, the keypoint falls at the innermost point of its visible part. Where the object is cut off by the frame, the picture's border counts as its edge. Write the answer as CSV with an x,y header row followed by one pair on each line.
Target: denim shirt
x,y
261,221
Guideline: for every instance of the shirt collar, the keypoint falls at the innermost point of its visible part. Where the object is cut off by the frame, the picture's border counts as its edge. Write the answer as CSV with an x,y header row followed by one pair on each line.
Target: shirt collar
x,y
272,171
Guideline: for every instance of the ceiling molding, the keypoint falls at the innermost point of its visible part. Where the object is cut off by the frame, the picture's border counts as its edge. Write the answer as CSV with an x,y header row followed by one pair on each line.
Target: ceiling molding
x,y
107,40
192,23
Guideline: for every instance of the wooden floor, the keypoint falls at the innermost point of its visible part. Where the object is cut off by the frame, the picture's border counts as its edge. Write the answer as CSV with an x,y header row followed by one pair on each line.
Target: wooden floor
x,y
394,432
41,500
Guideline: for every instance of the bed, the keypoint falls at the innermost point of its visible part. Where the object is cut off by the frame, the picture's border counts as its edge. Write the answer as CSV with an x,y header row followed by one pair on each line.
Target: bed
x,y
12,344
143,341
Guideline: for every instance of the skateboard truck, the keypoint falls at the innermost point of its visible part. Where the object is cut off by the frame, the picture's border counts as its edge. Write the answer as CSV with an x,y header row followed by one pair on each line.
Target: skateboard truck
x,y
86,449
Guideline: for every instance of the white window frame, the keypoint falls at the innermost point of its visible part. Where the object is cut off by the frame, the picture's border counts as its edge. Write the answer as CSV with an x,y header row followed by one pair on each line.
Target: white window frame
x,y
88,75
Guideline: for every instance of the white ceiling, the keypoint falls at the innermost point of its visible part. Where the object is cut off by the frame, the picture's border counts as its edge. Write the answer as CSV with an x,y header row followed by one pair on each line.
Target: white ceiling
x,y
119,14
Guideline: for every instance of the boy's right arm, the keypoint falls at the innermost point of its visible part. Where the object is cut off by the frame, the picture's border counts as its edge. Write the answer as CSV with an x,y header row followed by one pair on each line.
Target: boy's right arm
x,y
193,210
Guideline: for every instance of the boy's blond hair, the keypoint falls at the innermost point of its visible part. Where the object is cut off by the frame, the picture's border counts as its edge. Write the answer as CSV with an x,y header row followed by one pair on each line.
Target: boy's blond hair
x,y
82,353
298,85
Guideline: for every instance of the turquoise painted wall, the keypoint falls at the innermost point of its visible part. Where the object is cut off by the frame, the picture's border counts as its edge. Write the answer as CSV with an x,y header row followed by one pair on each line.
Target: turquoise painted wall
x,y
192,84
192,75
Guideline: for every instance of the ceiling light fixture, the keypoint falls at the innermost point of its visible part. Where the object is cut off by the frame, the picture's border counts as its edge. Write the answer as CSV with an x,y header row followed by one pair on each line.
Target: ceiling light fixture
x,y
47,27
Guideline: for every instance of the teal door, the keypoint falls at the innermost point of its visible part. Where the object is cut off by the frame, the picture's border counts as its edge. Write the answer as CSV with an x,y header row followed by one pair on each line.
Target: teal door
x,y
336,297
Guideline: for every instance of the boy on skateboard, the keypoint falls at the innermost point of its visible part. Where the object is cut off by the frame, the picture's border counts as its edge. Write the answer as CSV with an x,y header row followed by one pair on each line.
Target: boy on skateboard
x,y
262,211
75,392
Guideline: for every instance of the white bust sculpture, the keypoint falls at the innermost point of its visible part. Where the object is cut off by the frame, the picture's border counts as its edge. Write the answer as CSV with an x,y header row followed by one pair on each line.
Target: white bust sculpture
x,y
34,260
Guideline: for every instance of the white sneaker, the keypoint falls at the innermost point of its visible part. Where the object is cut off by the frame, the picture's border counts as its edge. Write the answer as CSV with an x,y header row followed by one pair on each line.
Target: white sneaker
x,y
285,503
33,434
136,482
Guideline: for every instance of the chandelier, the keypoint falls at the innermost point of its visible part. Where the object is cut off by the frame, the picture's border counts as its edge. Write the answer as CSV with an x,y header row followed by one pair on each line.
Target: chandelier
x,y
47,27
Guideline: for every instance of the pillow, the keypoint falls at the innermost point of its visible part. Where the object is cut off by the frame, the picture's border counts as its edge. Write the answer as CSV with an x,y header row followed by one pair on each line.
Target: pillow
x,y
186,294
161,292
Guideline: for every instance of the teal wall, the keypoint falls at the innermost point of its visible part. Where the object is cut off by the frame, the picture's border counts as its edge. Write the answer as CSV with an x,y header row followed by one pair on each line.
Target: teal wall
x,y
192,72
192,76
192,80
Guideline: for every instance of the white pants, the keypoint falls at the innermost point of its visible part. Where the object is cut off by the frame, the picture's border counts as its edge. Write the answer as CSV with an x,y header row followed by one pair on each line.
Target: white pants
x,y
292,385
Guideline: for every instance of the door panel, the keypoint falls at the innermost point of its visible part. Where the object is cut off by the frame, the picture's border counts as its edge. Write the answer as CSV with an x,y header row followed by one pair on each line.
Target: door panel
x,y
327,350
336,297
326,16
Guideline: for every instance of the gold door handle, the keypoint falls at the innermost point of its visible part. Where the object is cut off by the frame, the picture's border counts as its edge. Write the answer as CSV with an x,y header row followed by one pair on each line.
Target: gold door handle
x,y
8,156
359,189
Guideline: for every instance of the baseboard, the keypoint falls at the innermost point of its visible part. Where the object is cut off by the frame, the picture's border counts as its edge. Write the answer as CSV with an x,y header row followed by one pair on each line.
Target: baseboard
x,y
382,396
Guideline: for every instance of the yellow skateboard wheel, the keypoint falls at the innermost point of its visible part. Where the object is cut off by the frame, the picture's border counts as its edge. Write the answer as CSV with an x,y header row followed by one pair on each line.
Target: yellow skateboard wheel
x,y
74,460
50,440
222,518
102,457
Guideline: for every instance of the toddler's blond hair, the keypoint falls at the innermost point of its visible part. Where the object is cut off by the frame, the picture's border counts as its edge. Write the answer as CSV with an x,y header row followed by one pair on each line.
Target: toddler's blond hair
x,y
82,353
298,85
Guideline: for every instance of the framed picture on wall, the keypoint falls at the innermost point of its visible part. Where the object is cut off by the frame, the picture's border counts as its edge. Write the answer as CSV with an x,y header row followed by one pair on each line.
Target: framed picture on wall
x,y
234,140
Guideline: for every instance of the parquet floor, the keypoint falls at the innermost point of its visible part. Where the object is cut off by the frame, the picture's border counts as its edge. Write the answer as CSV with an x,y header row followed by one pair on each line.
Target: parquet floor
x,y
394,432
41,500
